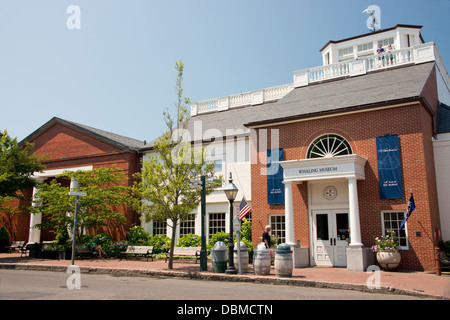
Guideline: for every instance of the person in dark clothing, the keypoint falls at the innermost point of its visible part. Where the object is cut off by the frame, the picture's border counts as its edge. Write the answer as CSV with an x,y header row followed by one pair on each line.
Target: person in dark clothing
x,y
266,236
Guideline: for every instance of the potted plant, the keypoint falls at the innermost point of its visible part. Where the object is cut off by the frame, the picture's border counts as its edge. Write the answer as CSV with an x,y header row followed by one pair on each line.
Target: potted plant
x,y
386,248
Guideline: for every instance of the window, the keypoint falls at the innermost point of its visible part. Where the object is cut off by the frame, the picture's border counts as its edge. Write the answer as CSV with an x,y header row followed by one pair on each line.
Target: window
x,y
365,46
327,146
188,226
216,222
276,223
391,220
159,227
346,51
386,42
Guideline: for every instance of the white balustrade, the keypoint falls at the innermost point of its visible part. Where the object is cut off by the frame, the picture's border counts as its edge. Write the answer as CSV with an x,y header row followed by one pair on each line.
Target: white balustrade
x,y
418,54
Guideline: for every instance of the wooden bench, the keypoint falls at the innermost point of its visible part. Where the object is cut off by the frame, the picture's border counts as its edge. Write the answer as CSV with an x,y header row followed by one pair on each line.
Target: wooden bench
x,y
15,246
186,252
84,251
138,250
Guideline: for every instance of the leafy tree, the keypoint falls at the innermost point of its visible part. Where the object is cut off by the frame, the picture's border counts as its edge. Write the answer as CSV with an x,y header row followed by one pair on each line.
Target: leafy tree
x,y
99,208
17,165
166,175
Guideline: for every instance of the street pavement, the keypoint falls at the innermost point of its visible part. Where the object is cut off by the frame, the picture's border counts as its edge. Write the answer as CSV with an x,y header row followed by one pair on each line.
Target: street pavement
x,y
423,283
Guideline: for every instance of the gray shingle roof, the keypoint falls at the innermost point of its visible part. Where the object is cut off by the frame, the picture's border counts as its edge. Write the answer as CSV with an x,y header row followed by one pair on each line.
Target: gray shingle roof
x,y
370,89
115,139
332,96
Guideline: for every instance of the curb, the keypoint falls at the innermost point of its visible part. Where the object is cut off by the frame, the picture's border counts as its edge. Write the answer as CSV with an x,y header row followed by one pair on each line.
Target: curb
x,y
273,280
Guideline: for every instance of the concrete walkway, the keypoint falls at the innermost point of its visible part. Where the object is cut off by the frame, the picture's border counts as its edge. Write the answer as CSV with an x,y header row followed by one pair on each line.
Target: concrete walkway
x,y
425,284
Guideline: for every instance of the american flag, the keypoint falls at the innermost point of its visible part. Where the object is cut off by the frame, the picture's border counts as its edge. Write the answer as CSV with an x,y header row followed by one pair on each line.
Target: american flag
x,y
244,208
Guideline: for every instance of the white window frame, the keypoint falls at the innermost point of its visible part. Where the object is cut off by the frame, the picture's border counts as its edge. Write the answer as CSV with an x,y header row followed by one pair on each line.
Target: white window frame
x,y
383,228
276,230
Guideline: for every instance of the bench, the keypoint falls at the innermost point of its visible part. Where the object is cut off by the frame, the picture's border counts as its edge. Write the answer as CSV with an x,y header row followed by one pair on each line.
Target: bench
x,y
84,250
186,252
135,250
15,246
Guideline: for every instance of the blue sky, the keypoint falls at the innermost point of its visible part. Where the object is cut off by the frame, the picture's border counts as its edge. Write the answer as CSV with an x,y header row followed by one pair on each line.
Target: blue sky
x,y
117,72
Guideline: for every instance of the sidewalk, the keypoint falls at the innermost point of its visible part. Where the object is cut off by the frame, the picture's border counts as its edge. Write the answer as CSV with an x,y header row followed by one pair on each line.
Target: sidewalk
x,y
425,284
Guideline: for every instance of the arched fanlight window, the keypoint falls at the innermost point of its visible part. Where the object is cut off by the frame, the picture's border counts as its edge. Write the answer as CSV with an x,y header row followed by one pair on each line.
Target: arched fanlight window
x,y
327,146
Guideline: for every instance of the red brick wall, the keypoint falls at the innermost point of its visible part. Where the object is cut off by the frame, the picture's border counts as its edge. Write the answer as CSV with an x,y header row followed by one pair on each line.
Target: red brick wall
x,y
413,125
72,148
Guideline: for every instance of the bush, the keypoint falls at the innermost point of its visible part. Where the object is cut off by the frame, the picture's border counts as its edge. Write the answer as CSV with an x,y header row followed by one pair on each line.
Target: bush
x,y
117,248
4,239
190,240
160,243
138,236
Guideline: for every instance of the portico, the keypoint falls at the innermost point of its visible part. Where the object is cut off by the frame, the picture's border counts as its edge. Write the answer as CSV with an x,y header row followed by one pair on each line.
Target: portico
x,y
339,170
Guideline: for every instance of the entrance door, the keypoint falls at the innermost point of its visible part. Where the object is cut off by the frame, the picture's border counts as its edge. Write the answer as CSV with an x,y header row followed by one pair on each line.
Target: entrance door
x,y
330,234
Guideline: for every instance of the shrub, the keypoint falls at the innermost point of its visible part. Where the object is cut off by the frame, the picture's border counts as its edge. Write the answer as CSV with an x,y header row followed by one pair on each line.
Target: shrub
x,y
138,236
160,243
190,240
117,248
4,239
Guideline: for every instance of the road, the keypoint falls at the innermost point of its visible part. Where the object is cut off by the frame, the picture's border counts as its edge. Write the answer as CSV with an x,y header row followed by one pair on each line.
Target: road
x,y
45,285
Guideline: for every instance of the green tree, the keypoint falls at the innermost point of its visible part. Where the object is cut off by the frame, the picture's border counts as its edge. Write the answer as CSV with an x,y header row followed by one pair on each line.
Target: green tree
x,y
101,207
17,165
164,182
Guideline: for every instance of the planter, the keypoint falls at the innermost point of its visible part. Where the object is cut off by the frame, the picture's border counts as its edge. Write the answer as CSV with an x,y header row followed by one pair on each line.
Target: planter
x,y
388,260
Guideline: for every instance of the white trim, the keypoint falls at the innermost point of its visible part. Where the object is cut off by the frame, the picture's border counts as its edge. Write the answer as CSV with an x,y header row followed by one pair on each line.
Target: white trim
x,y
57,172
383,231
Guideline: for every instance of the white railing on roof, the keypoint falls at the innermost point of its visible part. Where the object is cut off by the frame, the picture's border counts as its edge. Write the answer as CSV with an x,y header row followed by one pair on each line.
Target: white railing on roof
x,y
418,54
239,100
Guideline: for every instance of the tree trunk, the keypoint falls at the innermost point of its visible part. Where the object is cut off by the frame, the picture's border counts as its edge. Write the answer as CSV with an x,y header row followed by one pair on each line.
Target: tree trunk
x,y
172,242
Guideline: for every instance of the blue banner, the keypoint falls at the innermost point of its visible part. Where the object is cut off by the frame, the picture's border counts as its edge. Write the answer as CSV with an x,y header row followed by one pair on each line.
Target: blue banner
x,y
275,186
389,167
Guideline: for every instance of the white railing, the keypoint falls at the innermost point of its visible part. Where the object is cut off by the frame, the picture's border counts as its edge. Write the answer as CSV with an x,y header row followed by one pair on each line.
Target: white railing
x,y
240,100
418,54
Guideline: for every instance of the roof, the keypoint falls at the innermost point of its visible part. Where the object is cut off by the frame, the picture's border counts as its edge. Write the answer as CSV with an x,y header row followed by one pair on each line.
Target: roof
x,y
372,33
370,90
443,119
109,137
335,96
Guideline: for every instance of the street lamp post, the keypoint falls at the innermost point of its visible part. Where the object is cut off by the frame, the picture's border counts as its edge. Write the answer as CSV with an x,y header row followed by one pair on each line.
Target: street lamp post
x,y
75,187
231,191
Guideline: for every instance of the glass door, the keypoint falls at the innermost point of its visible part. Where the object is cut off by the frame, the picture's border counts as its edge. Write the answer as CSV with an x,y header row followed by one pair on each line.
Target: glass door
x,y
330,237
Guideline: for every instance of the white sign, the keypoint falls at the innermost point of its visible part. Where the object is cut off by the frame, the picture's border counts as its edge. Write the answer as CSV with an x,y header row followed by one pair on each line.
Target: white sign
x,y
236,225
81,194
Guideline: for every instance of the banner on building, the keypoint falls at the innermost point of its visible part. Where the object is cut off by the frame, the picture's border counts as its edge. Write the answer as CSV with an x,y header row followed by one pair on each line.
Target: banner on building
x,y
275,186
389,167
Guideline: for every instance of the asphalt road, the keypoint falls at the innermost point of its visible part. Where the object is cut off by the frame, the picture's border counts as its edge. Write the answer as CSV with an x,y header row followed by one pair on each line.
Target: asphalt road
x,y
45,285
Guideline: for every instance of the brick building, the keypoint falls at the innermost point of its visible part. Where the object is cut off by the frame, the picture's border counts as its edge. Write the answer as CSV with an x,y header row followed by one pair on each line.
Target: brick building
x,y
335,155
71,146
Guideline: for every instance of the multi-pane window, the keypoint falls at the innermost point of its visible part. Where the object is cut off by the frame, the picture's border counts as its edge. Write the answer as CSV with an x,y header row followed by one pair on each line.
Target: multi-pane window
x,y
277,225
159,227
216,222
391,220
386,42
345,51
188,226
365,46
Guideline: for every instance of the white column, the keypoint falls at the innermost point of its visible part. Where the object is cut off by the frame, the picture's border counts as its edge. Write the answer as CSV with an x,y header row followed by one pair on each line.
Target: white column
x,y
289,214
34,234
355,228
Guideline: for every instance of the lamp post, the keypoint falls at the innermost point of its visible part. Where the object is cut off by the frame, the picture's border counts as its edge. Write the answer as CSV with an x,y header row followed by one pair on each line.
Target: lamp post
x,y
231,191
75,187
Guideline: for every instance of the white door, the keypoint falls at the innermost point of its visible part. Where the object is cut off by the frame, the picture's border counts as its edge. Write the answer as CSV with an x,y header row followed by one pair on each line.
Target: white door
x,y
330,234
